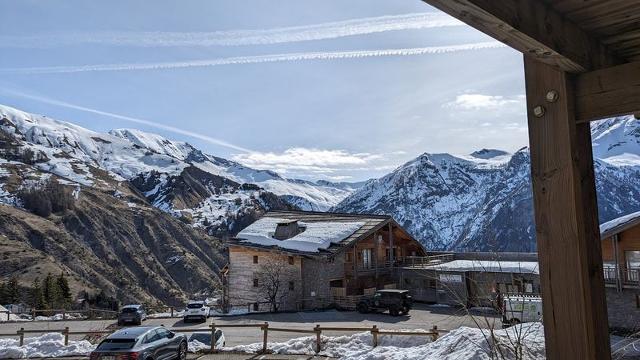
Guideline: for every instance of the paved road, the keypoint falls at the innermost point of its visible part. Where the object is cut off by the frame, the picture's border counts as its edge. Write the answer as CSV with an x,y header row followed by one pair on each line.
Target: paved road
x,y
421,317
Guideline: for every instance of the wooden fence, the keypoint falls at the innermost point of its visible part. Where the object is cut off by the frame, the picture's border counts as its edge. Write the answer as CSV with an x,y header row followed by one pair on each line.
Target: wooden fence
x,y
264,327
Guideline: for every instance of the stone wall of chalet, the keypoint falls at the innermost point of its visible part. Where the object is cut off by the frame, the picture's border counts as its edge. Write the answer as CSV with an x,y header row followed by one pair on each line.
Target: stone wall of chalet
x,y
316,275
242,272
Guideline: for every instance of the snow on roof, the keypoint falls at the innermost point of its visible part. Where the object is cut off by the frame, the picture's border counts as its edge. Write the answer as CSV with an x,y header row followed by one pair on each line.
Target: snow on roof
x,y
619,223
522,267
318,234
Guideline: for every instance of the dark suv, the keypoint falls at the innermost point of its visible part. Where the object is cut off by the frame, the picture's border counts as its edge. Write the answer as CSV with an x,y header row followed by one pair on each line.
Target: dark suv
x,y
396,301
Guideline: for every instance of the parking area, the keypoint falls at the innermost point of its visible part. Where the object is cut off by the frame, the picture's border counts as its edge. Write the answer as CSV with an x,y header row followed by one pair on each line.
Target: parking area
x,y
421,317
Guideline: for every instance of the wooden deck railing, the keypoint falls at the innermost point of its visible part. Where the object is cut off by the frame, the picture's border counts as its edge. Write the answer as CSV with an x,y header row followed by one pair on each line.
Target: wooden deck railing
x,y
264,327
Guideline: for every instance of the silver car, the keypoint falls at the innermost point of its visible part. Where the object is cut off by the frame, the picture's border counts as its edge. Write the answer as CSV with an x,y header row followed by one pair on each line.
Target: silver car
x,y
142,343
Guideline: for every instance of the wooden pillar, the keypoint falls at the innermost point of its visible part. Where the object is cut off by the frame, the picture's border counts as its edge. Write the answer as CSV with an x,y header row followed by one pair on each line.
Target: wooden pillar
x,y
566,215
391,248
616,250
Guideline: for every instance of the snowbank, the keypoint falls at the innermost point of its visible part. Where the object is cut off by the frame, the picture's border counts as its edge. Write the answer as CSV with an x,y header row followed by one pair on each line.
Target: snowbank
x,y
318,235
463,343
196,346
47,345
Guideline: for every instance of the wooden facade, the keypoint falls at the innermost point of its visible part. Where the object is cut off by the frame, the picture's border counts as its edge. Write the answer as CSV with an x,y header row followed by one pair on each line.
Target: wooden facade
x,y
621,256
366,260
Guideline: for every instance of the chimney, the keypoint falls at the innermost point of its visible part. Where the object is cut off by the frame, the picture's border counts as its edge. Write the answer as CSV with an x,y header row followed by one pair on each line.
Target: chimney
x,y
287,230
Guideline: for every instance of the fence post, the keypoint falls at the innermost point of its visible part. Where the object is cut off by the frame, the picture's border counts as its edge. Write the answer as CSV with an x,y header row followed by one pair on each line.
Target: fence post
x,y
64,314
318,337
33,314
172,311
66,335
434,329
265,336
374,334
213,337
21,333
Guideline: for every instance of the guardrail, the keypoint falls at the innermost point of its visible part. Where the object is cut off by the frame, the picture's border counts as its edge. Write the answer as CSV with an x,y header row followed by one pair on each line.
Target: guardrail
x,y
264,327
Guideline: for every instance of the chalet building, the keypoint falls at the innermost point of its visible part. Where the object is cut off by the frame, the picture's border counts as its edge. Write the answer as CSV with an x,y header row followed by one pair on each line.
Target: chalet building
x,y
471,279
621,261
320,259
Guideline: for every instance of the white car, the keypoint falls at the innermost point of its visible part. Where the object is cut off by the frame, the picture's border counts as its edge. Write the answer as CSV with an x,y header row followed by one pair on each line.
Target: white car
x,y
197,310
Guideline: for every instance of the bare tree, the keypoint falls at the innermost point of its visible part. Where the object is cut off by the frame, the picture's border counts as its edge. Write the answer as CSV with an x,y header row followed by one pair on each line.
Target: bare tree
x,y
274,277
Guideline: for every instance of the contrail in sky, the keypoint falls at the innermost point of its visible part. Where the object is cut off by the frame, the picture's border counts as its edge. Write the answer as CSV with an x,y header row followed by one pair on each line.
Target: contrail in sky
x,y
323,31
257,59
169,128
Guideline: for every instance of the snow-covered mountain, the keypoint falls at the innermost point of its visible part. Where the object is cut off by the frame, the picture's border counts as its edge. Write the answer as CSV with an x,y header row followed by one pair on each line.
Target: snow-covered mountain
x,y
482,201
174,176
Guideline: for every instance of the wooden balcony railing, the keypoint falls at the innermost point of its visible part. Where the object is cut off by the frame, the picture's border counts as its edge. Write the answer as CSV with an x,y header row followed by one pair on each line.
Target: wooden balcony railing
x,y
628,277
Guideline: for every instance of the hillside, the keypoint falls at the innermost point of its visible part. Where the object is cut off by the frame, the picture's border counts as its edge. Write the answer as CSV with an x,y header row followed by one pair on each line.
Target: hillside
x,y
483,202
134,214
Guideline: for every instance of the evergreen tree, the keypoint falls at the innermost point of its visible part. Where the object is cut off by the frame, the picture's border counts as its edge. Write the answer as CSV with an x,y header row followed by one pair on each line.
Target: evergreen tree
x,y
3,293
12,289
37,297
65,289
51,291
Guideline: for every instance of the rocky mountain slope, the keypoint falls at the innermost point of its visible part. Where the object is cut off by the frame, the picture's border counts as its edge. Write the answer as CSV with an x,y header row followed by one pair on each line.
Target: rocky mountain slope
x,y
482,201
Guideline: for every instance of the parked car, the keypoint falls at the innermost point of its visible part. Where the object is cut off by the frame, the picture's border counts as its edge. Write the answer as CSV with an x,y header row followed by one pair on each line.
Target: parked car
x,y
396,301
205,338
521,308
196,309
142,343
132,314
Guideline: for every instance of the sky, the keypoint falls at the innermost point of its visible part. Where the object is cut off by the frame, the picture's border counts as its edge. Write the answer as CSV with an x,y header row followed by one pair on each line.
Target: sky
x,y
341,90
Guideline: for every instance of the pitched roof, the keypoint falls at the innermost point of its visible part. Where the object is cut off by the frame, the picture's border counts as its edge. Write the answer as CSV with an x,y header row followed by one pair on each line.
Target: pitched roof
x,y
325,232
619,225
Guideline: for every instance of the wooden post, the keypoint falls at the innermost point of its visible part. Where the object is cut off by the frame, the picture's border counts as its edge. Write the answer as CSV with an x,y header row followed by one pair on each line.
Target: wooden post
x,y
566,216
434,329
21,334
318,338
265,337
374,334
391,248
213,336
64,314
65,332
171,311
615,239
33,314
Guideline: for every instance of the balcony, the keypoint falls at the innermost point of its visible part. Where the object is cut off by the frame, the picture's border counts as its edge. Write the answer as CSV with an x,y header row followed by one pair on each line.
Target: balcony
x,y
629,278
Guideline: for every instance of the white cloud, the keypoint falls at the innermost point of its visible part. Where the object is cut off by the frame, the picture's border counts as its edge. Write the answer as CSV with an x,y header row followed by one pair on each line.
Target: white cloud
x,y
486,102
323,31
315,163
239,60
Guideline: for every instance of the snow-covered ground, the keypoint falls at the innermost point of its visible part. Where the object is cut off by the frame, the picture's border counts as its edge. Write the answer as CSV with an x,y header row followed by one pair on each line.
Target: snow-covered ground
x,y
47,345
464,343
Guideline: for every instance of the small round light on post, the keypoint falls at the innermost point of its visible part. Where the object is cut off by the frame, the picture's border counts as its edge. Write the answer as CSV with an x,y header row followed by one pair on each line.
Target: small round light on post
x,y
552,96
538,111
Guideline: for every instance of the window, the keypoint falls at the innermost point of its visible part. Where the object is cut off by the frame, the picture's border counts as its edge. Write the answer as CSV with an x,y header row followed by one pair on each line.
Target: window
x,y
291,260
292,285
256,307
255,259
366,258
255,282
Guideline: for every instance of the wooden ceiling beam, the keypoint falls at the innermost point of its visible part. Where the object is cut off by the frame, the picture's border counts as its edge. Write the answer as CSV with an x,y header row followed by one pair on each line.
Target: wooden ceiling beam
x,y
608,92
534,28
